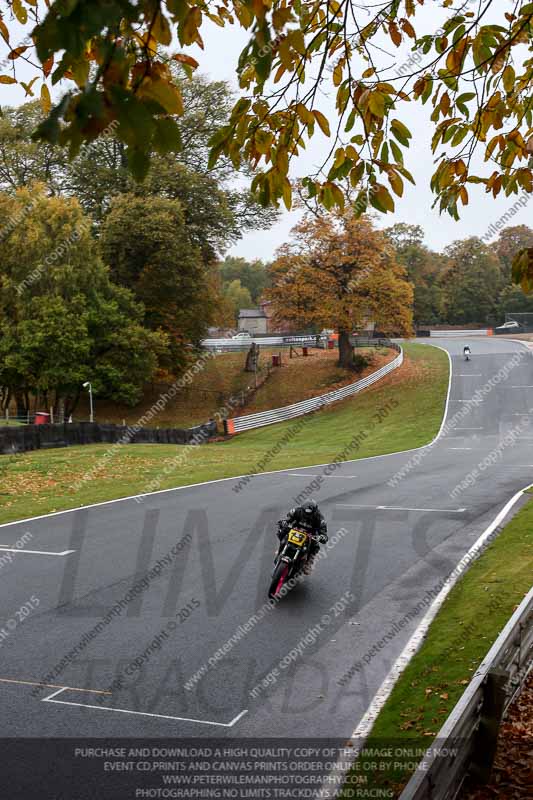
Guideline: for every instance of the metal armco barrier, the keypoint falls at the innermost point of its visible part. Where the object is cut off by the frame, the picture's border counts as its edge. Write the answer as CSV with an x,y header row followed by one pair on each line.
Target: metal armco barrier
x,y
447,334
245,423
231,345
471,730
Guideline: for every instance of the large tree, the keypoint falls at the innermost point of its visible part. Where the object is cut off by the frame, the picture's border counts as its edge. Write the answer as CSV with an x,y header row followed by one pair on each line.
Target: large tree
x,y
62,320
216,210
148,247
510,243
237,296
423,268
472,282
513,300
252,275
339,272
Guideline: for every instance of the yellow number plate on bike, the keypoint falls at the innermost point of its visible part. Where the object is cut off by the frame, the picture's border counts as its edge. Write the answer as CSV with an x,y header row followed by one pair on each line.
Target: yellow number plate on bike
x,y
297,537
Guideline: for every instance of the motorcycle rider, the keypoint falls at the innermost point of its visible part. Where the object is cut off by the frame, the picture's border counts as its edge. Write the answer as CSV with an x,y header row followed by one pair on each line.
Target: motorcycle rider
x,y
309,517
466,351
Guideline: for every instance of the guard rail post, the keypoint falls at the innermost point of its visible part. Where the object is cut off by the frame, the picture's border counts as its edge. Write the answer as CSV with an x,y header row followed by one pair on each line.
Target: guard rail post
x,y
473,724
486,740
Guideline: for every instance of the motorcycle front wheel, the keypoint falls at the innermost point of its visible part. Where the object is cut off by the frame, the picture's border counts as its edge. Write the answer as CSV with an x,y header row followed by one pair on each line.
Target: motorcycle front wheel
x,y
279,577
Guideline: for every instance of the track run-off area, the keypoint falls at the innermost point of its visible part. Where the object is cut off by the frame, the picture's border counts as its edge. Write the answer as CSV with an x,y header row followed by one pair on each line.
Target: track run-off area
x,y
147,617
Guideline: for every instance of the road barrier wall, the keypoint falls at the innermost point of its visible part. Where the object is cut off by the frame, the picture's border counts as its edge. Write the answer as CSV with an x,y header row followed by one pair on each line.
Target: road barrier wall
x,y
467,333
471,731
38,437
259,420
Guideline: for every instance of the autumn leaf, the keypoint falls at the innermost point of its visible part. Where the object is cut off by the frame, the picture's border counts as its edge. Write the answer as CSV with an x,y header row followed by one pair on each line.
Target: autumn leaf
x,y
185,59
47,66
4,32
160,29
165,93
395,34
322,122
19,11
17,52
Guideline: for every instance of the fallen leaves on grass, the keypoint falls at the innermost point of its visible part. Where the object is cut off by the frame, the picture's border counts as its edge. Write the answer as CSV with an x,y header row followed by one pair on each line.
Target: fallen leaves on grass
x,y
512,774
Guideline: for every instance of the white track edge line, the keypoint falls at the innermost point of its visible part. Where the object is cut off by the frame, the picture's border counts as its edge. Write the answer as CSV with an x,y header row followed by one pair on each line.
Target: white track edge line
x,y
34,552
363,729
143,713
257,474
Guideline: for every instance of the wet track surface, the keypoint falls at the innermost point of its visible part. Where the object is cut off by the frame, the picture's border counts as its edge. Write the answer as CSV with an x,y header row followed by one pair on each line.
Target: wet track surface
x,y
398,524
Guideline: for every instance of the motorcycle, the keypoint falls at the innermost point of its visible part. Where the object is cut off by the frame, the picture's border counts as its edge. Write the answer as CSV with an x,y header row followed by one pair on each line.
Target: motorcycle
x,y
467,355
290,560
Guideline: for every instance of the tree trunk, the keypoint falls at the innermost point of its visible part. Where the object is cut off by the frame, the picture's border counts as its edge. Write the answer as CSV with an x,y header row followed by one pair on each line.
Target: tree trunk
x,y
21,408
71,403
252,358
345,350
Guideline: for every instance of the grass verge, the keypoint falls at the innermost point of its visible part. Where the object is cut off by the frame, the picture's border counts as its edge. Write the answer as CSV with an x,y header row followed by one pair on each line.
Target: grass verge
x,y
40,482
223,376
465,628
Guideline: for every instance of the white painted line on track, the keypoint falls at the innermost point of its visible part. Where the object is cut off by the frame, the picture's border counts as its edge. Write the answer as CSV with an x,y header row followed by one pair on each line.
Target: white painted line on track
x,y
317,475
403,508
236,478
7,549
469,429
51,699
471,375
519,387
460,448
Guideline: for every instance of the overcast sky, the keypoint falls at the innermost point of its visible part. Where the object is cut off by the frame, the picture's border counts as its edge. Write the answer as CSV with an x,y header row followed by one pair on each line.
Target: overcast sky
x,y
218,61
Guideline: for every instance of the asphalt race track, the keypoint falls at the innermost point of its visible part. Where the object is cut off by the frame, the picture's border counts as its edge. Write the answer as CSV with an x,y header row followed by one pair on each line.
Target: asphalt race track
x,y
393,540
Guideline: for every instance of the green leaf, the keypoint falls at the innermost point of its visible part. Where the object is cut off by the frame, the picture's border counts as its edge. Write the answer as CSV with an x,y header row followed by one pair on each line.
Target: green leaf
x,y
509,78
167,138
381,199
426,94
401,132
138,162
396,152
376,103
136,123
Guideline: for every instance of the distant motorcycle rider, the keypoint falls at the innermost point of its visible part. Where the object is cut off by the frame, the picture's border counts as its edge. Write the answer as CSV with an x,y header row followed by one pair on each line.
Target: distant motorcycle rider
x,y
466,351
308,517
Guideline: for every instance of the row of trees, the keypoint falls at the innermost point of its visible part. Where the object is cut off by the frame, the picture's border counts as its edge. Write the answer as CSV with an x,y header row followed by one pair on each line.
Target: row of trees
x,y
340,273
470,282
62,319
104,278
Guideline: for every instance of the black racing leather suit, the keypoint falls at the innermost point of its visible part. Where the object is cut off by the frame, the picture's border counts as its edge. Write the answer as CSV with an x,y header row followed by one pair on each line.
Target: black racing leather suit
x,y
297,517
